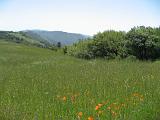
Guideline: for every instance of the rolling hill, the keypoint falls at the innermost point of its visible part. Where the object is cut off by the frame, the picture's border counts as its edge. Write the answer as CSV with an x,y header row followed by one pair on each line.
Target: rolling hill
x,y
41,84
40,38
22,38
53,37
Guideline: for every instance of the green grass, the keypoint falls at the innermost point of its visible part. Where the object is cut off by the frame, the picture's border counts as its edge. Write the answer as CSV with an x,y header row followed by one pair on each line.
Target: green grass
x,y
40,84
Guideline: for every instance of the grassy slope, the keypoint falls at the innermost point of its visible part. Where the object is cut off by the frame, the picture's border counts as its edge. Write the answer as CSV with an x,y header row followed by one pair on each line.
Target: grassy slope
x,y
29,40
40,84
20,37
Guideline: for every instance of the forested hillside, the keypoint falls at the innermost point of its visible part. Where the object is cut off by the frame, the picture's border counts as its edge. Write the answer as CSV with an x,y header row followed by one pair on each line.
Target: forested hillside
x,y
53,37
21,38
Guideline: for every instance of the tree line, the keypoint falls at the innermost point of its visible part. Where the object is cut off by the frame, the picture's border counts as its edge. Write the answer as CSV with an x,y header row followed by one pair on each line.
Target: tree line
x,y
140,42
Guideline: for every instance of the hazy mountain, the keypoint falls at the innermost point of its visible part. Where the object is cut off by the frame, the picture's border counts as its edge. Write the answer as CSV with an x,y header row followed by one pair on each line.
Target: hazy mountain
x,y
20,37
55,36
39,38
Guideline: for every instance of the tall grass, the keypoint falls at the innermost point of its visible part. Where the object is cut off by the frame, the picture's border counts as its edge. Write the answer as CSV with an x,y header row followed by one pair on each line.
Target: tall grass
x,y
40,84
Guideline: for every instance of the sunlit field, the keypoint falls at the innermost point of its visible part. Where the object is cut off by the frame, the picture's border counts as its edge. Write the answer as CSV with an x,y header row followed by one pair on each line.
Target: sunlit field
x,y
40,84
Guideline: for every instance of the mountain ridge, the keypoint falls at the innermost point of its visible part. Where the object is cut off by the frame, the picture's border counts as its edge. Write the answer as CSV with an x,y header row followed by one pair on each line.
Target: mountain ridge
x,y
53,37
42,38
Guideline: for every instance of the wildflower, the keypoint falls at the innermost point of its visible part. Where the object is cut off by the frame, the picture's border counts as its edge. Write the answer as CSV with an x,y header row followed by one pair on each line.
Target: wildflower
x,y
80,114
90,118
123,105
97,107
135,94
100,105
112,105
141,99
100,112
113,113
64,98
108,108
72,98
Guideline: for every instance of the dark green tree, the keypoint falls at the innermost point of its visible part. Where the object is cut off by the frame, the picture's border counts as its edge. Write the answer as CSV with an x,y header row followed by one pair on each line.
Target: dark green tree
x,y
108,44
144,43
59,45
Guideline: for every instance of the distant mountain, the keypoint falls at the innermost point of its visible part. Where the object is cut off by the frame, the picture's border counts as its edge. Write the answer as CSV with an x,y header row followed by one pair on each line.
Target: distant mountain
x,y
39,38
22,38
53,37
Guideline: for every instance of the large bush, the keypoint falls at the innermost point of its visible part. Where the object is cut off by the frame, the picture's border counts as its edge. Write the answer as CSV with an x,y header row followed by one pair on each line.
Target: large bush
x,y
108,44
81,49
144,42
141,42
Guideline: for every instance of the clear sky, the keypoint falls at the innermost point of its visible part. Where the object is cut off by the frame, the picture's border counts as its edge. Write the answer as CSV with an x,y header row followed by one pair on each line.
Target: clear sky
x,y
78,16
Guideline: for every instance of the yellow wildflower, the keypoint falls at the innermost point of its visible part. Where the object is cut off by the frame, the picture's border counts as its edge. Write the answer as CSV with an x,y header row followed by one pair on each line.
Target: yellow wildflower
x,y
64,98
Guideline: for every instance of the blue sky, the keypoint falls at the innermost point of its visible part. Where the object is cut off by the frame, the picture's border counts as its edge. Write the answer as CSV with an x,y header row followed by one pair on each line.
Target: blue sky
x,y
78,16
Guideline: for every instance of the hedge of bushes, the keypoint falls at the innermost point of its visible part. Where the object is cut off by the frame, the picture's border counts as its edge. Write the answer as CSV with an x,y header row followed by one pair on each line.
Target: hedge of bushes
x,y
141,42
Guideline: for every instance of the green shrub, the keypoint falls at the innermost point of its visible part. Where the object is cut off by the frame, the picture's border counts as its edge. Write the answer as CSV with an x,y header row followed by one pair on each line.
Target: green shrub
x,y
108,44
81,49
144,42
140,42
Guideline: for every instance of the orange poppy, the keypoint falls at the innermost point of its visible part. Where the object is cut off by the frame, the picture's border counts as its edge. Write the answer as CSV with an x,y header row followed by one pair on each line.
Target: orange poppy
x,y
90,118
80,114
97,107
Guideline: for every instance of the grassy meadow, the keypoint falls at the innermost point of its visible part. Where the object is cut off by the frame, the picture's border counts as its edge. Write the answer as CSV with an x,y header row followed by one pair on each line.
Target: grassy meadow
x,y
40,84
